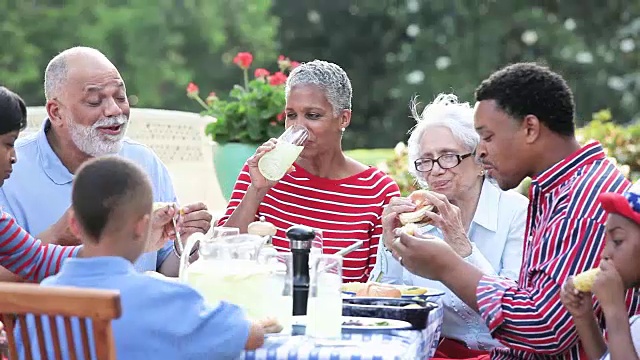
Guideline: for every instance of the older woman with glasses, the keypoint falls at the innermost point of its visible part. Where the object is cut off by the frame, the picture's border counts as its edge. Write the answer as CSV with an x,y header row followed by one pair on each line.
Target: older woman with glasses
x,y
441,158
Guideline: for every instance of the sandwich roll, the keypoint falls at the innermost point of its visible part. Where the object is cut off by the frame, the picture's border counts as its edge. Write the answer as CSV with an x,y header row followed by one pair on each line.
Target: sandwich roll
x,y
423,206
379,290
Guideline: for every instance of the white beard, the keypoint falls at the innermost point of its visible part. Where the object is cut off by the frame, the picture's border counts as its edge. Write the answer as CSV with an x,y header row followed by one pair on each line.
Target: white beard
x,y
91,141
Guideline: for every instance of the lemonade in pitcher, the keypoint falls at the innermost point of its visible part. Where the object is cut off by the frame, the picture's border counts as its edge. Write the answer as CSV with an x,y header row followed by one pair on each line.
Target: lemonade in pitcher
x,y
241,282
274,164
228,270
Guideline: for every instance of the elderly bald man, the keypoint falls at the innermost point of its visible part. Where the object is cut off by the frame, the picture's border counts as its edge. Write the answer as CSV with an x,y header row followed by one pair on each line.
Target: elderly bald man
x,y
88,115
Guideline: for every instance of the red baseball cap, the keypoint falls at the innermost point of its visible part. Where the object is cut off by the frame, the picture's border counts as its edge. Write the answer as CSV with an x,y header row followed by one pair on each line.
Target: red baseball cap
x,y
627,204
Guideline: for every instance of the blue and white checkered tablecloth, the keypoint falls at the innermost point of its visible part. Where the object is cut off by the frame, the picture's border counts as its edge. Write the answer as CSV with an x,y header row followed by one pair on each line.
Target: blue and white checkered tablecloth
x,y
396,345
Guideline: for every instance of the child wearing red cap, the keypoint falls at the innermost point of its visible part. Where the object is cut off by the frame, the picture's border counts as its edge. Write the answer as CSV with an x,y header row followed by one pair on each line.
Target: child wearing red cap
x,y
619,271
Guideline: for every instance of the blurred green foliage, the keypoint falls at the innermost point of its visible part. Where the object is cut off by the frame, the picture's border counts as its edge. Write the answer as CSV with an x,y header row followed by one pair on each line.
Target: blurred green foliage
x,y
158,46
391,49
619,142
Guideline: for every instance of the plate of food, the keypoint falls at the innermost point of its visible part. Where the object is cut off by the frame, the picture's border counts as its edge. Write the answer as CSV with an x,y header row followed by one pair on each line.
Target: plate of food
x,y
414,311
378,290
358,324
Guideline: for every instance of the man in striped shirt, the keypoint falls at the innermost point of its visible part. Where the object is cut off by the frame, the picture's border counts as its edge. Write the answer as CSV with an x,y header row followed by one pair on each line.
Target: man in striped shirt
x,y
525,118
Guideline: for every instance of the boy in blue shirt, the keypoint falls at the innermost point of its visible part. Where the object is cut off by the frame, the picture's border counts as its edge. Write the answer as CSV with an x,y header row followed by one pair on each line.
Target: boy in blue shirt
x,y
161,319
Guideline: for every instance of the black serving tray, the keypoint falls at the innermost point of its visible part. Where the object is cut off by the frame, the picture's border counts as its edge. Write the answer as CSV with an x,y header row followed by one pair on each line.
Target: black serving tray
x,y
390,308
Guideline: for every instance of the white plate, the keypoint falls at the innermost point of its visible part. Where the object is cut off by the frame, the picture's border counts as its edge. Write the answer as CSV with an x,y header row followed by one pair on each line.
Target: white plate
x,y
368,323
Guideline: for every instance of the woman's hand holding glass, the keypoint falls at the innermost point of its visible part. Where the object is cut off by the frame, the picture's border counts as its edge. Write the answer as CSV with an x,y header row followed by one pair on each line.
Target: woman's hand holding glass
x,y
258,181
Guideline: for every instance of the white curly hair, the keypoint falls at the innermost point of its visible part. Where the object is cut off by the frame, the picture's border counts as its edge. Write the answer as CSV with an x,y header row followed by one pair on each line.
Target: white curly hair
x,y
445,111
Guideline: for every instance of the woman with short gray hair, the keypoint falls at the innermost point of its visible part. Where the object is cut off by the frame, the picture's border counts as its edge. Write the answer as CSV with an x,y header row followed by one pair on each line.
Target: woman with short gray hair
x,y
441,158
328,190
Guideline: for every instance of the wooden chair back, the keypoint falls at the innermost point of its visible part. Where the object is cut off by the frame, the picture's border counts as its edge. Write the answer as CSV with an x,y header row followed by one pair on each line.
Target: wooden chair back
x,y
100,306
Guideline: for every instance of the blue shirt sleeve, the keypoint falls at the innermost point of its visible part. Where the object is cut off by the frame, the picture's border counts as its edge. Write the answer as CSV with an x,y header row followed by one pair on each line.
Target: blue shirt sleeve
x,y
5,205
26,256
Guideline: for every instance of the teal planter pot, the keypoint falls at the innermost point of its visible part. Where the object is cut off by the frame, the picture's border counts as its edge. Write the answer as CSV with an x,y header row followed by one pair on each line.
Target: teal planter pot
x,y
228,160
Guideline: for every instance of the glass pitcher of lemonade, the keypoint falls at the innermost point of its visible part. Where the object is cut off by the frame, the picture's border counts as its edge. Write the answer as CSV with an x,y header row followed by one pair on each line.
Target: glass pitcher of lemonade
x,y
274,164
227,269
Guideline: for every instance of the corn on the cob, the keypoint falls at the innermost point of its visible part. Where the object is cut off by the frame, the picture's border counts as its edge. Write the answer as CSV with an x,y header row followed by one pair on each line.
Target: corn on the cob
x,y
584,281
160,205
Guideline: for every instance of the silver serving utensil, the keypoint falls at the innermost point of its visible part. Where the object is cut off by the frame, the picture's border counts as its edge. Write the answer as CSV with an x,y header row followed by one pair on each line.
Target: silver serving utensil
x,y
344,252
350,248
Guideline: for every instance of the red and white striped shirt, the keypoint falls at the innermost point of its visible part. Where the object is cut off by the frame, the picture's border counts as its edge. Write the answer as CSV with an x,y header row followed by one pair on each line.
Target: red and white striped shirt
x,y
565,235
26,256
345,210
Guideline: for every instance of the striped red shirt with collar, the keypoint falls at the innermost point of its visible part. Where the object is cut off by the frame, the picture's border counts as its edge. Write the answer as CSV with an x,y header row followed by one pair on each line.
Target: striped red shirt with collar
x,y
565,235
346,210
26,256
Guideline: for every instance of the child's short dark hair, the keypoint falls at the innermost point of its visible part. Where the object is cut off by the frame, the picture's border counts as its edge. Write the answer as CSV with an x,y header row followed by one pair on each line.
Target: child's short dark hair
x,y
108,189
13,112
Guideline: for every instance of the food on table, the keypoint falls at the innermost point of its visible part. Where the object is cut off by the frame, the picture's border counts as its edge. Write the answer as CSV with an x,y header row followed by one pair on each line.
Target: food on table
x,y
271,325
413,290
413,306
261,228
352,286
379,290
353,322
374,289
584,281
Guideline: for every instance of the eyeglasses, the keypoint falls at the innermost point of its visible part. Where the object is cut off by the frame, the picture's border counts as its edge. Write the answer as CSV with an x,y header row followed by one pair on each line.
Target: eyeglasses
x,y
446,161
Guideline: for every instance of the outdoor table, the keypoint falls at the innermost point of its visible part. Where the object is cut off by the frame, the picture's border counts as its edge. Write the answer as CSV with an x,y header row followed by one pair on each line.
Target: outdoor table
x,y
397,345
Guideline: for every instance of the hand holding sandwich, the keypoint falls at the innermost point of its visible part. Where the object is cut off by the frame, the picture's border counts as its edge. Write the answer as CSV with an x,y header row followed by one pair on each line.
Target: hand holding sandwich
x,y
426,207
390,220
448,219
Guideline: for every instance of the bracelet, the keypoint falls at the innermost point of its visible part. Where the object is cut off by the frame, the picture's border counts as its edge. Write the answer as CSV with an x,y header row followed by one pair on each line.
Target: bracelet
x,y
179,254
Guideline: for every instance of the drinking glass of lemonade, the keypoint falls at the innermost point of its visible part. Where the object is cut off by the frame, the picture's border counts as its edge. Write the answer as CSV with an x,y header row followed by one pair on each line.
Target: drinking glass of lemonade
x,y
324,307
274,164
280,289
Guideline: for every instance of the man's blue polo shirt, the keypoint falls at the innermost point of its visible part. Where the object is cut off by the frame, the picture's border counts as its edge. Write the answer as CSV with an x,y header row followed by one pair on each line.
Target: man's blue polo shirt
x,y
39,190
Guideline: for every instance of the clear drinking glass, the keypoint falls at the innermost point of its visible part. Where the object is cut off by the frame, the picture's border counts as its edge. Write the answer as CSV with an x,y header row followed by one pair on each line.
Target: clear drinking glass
x,y
317,244
223,232
280,289
274,164
324,307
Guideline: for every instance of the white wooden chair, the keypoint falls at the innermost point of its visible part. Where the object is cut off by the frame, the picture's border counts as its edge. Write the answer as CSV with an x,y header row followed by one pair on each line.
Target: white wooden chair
x,y
179,140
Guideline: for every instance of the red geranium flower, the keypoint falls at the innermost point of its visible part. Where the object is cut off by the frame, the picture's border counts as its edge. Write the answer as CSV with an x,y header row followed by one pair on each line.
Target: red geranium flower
x,y
281,116
278,78
243,59
261,73
192,90
294,64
